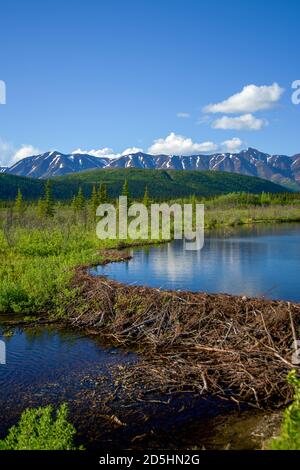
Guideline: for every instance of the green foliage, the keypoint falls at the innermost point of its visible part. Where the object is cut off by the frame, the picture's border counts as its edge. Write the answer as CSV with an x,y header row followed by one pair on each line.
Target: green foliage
x,y
19,205
94,201
289,438
161,184
41,209
48,201
103,197
125,192
46,205
37,257
79,201
146,200
41,429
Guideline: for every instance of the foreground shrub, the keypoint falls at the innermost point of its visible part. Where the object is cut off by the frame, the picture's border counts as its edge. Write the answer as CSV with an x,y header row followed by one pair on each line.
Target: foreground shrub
x,y
289,438
41,429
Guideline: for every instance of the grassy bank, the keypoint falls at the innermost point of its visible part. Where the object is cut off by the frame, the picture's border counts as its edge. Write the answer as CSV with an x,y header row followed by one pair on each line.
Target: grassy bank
x,y
37,258
38,253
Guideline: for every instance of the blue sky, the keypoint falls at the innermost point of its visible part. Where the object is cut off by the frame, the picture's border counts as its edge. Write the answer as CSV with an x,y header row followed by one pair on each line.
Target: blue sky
x,y
115,74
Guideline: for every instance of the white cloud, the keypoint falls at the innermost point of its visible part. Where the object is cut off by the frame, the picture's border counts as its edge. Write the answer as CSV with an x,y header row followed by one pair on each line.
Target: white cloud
x,y
245,122
108,152
131,150
252,98
232,145
96,153
10,155
25,151
183,115
6,153
175,144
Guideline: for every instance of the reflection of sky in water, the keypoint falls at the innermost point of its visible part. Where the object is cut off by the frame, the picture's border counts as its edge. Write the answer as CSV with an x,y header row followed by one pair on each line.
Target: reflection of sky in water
x,y
256,262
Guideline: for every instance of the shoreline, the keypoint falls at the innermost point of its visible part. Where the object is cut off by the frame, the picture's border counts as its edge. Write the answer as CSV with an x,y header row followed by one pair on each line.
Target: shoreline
x,y
244,336
162,325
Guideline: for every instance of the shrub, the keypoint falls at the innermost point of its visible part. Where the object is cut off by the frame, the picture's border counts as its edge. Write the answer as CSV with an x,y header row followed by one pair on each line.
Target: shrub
x,y
41,429
289,438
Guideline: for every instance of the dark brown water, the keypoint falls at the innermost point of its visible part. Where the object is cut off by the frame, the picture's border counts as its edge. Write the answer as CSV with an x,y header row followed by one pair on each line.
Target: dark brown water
x,y
51,366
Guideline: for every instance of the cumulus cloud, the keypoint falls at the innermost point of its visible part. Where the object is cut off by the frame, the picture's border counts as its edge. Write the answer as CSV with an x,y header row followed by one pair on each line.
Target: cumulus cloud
x,y
130,150
25,151
9,154
245,122
175,144
232,145
104,152
252,98
108,152
183,115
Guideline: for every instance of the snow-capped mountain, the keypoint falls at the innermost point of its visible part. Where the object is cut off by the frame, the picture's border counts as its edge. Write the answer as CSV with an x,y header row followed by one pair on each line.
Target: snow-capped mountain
x,y
55,163
278,168
3,169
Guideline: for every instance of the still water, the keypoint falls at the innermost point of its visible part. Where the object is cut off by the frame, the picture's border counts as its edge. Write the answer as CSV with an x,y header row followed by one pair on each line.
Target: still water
x,y
51,365
257,262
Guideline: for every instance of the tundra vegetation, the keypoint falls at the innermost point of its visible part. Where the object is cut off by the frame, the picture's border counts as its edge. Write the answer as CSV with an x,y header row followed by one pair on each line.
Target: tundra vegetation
x,y
42,242
41,429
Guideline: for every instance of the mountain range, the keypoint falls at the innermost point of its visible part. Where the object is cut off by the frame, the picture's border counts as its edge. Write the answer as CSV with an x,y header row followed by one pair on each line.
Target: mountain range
x,y
281,169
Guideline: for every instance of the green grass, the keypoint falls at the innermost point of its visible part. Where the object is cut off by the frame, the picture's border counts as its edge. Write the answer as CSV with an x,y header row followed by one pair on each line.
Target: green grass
x,y
289,438
41,429
162,184
38,256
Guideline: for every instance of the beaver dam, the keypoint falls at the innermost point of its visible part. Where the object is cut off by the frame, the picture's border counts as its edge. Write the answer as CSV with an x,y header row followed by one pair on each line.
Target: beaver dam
x,y
143,367
233,347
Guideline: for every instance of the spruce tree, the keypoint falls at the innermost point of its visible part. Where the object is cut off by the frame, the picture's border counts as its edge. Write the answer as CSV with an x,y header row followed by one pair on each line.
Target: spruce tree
x,y
103,193
146,200
49,204
80,200
41,208
94,201
19,204
125,192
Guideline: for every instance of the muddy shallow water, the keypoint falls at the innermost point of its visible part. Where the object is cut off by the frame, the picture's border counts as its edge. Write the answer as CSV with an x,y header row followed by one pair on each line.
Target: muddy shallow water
x,y
52,365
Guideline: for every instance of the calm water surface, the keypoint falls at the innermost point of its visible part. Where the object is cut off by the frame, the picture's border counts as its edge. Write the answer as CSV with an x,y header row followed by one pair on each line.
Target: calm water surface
x,y
47,365
258,261
50,365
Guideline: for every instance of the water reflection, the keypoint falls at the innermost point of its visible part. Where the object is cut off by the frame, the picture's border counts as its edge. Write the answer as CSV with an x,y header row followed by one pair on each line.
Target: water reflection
x,y
259,261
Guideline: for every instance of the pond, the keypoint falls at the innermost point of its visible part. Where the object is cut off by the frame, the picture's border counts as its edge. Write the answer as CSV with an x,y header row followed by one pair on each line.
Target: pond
x,y
257,261
47,365
54,365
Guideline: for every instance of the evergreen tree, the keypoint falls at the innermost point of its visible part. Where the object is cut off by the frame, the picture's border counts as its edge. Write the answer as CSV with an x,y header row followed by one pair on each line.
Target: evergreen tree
x,y
73,204
94,201
146,200
125,192
19,205
49,204
79,201
45,207
103,193
41,208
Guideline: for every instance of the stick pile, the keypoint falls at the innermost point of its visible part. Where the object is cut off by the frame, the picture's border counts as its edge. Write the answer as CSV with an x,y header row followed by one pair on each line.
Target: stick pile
x,y
219,344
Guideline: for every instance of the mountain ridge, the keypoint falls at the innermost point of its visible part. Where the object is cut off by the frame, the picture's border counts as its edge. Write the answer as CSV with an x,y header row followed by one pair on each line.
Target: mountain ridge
x,y
281,169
